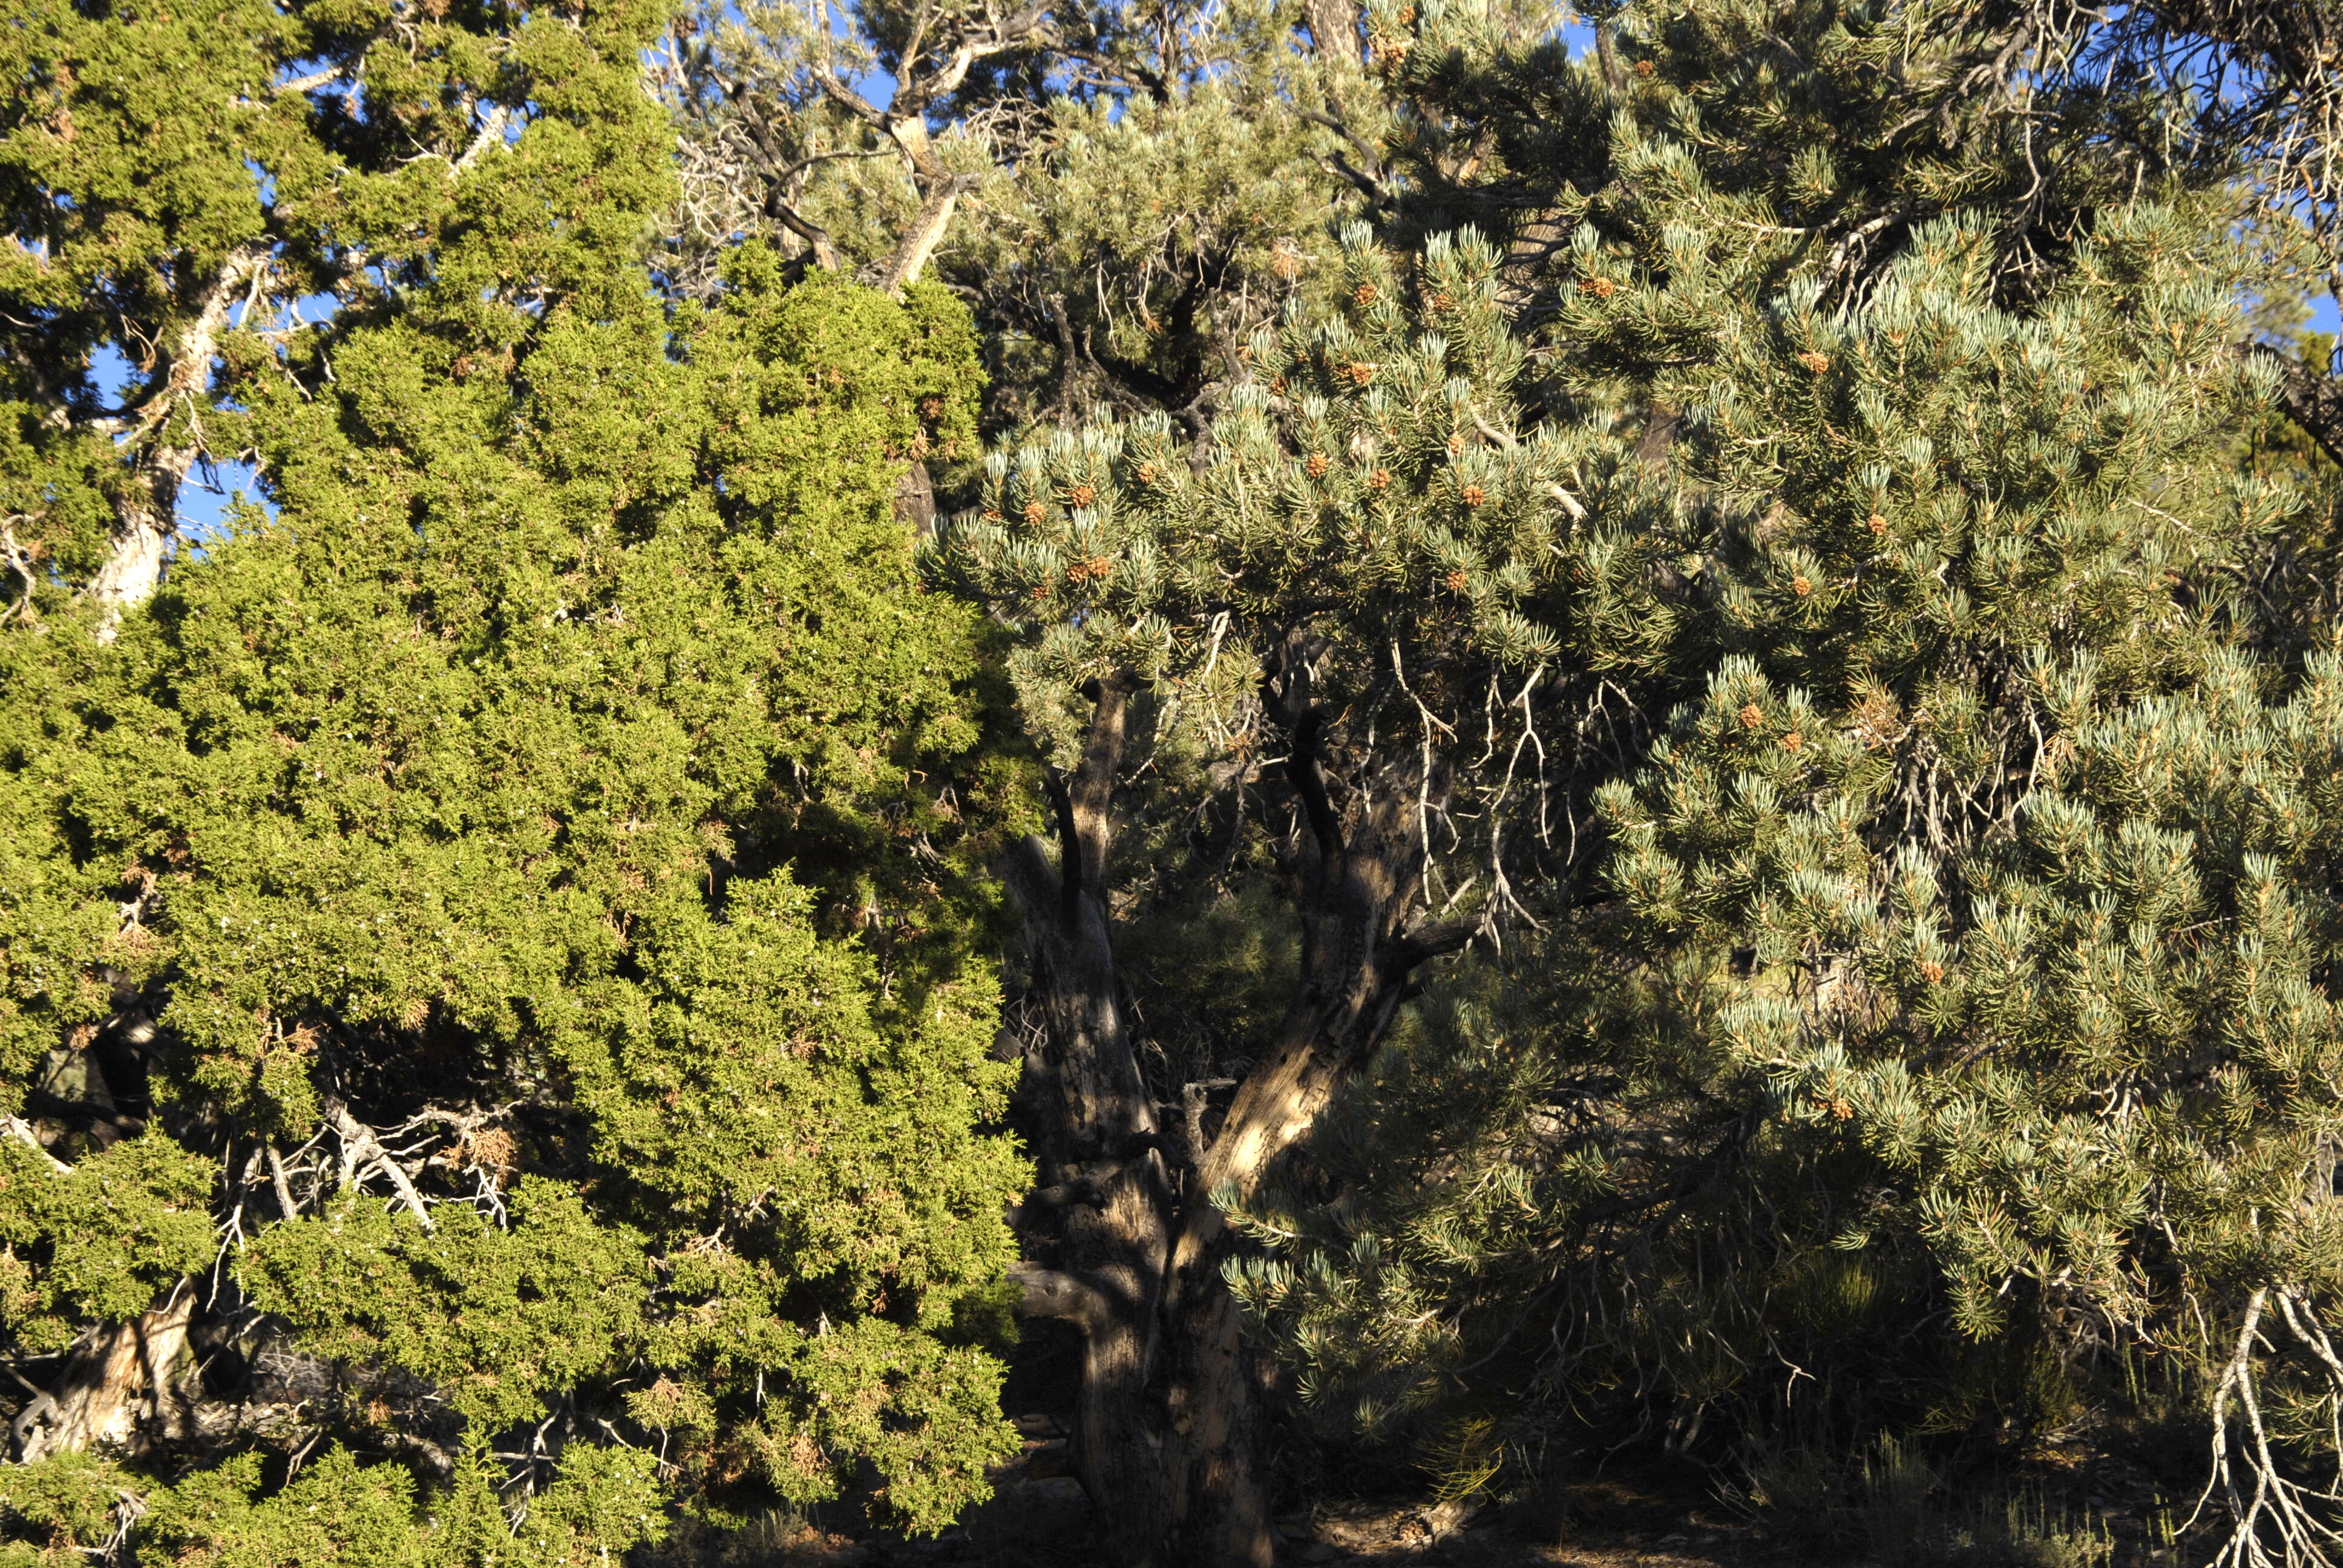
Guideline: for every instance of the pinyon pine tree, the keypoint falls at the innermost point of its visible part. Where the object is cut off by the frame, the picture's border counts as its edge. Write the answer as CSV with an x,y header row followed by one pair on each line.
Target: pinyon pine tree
x,y
1122,192
1322,650
1953,948
493,1020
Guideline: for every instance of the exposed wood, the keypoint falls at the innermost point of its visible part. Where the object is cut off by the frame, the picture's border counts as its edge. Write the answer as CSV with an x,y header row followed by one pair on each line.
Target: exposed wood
x,y
1053,1293
147,509
19,1128
117,1390
930,71
282,1183
915,501
361,1148
927,232
1334,28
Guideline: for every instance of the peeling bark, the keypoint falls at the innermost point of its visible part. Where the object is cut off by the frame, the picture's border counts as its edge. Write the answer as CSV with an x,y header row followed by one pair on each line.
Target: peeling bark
x,y
117,1391
133,566
1334,28
940,198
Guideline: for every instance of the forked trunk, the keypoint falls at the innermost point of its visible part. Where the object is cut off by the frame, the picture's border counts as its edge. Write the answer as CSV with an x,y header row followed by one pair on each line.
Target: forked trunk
x,y
1168,1434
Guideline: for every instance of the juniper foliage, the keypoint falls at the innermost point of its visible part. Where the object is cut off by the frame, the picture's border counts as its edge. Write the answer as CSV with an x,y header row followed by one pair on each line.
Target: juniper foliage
x,y
493,1012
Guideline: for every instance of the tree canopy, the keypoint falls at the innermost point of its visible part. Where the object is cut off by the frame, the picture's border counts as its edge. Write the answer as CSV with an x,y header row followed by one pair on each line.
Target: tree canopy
x,y
1541,728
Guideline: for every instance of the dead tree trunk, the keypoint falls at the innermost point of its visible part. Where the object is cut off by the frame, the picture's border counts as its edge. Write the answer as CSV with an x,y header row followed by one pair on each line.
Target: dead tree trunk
x,y
1167,1436
117,1390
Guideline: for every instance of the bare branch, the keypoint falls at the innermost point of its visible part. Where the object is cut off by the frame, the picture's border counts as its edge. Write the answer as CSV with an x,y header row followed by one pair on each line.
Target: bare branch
x,y
361,1142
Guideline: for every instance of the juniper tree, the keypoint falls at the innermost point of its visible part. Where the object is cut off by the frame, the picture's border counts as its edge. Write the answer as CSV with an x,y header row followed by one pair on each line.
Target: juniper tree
x,y
169,176
493,1012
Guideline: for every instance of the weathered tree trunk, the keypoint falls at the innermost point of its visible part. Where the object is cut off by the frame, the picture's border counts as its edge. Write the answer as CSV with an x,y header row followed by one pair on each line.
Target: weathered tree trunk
x,y
117,1389
1101,1157
939,196
1167,1436
1334,28
148,512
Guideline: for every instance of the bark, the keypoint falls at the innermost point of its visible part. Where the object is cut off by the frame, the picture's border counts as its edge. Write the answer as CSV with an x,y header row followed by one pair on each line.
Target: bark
x,y
1357,955
930,71
2314,400
1098,1133
117,1388
1168,1433
360,1148
1615,79
915,499
1334,28
142,538
783,180
939,196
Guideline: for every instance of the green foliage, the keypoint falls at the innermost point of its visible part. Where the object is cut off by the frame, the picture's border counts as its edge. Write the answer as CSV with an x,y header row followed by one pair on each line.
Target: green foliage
x,y
72,1499
340,1512
1940,1010
1368,487
527,891
1767,526
1142,184
493,1313
2156,920
1158,230
1731,146
101,1240
161,167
